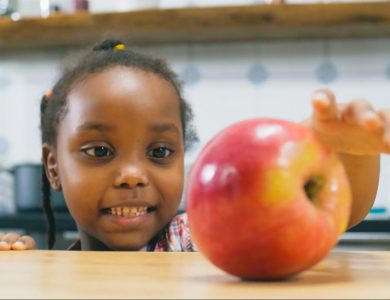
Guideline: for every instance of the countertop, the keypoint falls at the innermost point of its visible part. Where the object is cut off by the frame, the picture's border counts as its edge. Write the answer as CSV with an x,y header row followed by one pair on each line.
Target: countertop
x,y
72,274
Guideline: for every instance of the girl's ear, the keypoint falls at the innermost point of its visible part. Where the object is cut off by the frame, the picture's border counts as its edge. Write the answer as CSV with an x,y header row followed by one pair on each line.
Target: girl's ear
x,y
49,160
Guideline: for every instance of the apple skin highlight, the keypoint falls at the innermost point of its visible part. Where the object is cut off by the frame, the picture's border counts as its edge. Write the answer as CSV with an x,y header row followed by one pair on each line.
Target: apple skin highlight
x,y
248,199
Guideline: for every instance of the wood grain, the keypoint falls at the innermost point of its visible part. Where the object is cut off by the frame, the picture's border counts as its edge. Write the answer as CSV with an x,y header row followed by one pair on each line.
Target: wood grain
x,y
209,24
107,275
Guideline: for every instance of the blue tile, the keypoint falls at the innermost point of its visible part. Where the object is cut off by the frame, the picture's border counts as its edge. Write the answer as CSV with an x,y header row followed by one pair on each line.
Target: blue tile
x,y
327,72
257,74
190,74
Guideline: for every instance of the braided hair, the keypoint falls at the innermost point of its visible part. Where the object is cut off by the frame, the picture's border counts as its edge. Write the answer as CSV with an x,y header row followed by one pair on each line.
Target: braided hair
x,y
103,56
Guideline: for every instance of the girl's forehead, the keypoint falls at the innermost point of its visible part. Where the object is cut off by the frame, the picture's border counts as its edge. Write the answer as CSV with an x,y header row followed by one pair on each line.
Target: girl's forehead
x,y
123,85
123,93
122,79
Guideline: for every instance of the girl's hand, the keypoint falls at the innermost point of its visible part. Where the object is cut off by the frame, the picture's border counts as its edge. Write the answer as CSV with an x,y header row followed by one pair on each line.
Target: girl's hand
x,y
353,128
13,241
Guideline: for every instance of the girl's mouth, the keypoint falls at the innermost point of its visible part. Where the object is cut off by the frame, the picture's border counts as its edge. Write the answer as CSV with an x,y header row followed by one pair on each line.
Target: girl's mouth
x,y
129,211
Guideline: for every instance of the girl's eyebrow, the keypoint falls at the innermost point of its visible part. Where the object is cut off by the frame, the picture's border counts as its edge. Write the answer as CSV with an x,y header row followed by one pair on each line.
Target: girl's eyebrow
x,y
163,127
94,126
158,127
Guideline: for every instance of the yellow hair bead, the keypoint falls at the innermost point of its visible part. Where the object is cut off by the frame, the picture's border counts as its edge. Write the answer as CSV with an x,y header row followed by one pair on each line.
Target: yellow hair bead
x,y
48,95
119,47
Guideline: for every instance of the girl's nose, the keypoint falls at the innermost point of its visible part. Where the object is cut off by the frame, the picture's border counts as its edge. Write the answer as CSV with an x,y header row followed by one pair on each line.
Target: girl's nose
x,y
131,177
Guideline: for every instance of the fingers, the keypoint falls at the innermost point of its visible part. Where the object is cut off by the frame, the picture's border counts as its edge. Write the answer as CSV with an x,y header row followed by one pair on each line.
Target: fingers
x,y
24,243
7,240
3,245
355,127
358,113
362,114
324,105
13,241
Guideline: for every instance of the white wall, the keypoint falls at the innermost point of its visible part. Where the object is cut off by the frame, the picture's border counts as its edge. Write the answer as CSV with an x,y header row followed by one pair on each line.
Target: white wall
x,y
224,83
23,80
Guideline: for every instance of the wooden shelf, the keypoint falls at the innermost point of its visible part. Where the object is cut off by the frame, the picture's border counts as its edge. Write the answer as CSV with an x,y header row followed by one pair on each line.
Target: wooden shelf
x,y
211,24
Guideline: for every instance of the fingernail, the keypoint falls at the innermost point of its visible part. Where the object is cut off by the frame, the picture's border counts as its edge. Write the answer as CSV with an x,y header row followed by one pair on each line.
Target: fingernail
x,y
19,245
320,100
372,122
4,245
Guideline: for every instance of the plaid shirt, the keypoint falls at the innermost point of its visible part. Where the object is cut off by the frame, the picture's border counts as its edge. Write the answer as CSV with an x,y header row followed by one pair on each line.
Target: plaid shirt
x,y
176,239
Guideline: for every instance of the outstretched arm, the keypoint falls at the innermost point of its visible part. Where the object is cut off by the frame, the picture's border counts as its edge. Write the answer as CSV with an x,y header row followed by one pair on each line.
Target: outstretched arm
x,y
359,134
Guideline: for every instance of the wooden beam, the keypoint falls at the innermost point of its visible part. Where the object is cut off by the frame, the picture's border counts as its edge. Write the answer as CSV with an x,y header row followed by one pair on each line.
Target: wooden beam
x,y
211,24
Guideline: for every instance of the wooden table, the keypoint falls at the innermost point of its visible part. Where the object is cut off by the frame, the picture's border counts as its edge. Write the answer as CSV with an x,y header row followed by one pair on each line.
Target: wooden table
x,y
65,274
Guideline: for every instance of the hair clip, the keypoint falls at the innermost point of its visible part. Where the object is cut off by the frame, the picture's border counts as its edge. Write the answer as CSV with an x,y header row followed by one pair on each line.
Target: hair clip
x,y
119,47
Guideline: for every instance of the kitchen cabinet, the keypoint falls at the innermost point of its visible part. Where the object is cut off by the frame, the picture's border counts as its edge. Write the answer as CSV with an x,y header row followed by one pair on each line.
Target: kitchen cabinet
x,y
200,24
34,223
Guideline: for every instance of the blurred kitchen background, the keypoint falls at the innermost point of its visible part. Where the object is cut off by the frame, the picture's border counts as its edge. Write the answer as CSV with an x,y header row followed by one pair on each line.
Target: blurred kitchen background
x,y
225,79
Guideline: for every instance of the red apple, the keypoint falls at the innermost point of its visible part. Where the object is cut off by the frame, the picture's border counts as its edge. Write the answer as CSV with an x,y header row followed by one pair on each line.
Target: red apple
x,y
266,200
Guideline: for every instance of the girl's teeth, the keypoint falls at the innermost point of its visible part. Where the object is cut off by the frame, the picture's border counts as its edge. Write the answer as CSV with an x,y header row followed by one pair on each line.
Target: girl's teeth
x,y
128,211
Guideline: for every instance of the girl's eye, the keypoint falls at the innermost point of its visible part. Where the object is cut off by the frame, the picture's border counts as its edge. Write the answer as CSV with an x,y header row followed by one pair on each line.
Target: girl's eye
x,y
160,152
99,151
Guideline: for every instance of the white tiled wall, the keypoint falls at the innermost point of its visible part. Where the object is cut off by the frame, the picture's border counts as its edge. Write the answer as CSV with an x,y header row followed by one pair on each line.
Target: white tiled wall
x,y
223,82
23,80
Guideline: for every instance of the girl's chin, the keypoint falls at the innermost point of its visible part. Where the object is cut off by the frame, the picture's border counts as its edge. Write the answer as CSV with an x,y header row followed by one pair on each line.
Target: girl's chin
x,y
139,245
115,245
128,248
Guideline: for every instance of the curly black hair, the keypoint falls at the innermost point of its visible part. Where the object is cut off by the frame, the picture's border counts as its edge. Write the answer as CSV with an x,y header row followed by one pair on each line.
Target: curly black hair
x,y
105,55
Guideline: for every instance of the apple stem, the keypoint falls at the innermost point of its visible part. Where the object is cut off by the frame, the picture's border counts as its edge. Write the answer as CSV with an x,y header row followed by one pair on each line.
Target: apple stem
x,y
313,186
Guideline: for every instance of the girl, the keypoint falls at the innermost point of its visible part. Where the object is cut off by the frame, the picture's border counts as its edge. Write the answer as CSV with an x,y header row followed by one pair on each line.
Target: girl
x,y
114,130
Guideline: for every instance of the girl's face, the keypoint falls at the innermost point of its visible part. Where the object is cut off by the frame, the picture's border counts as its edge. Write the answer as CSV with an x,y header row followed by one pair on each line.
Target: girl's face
x,y
120,157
